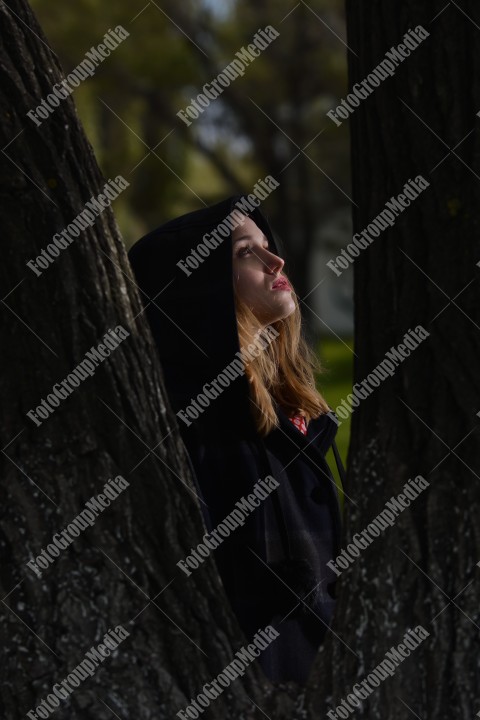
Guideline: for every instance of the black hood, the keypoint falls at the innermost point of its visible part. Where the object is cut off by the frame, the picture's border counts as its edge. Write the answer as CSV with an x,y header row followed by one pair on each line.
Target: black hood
x,y
192,317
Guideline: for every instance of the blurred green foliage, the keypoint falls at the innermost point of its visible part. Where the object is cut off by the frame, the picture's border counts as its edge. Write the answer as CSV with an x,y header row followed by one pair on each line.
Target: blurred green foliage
x,y
335,384
256,127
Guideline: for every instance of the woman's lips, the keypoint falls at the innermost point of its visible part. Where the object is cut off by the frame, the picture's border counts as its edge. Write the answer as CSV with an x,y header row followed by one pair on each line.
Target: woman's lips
x,y
281,284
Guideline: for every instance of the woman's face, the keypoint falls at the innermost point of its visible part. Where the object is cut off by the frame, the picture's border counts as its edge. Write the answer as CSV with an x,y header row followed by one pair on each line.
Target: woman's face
x,y
257,274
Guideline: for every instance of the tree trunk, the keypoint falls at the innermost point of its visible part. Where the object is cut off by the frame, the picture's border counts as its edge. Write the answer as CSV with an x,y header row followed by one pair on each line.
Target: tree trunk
x,y
121,570
422,420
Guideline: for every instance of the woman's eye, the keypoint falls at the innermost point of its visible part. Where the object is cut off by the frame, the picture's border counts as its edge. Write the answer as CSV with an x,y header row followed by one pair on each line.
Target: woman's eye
x,y
245,247
249,248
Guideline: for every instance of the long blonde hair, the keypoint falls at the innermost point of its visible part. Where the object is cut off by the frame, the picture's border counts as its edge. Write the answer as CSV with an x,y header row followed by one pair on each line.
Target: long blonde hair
x,y
284,371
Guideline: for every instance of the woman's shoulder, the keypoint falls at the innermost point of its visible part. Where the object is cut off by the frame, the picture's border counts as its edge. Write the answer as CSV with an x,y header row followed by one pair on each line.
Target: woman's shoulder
x,y
323,429
325,420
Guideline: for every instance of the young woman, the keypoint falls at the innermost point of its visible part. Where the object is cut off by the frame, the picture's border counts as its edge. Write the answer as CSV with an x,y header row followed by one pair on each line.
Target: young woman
x,y
240,377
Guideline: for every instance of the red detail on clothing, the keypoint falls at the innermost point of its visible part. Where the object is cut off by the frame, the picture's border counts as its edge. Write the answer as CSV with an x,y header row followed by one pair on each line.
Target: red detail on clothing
x,y
300,423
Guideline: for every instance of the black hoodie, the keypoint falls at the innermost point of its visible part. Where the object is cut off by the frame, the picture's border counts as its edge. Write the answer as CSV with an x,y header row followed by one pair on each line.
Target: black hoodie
x,y
275,563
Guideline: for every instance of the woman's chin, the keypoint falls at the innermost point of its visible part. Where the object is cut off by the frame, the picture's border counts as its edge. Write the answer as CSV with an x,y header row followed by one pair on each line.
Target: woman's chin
x,y
289,307
280,313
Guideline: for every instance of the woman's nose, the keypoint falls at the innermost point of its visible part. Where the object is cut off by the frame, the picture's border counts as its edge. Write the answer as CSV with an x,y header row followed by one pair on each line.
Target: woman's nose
x,y
274,263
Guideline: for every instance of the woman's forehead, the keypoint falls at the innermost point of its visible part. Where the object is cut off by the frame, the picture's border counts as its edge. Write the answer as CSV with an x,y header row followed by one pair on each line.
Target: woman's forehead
x,y
248,229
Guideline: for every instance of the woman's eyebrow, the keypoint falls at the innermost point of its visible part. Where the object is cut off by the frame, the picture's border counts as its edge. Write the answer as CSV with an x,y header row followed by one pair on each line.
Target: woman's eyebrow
x,y
244,237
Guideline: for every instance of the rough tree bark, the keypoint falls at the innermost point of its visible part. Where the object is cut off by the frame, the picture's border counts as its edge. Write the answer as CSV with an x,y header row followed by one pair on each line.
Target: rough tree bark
x,y
122,570
423,419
